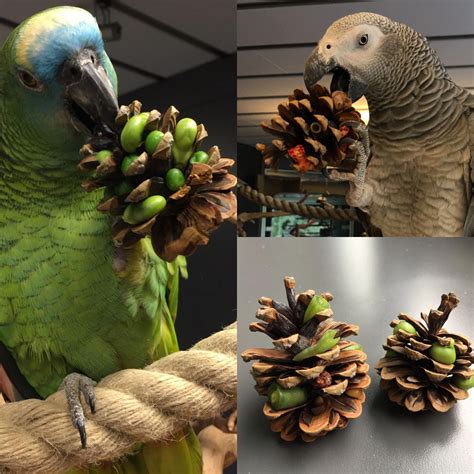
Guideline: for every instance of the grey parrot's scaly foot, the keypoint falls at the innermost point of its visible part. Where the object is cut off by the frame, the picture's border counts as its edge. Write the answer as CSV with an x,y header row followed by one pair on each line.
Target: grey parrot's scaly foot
x,y
356,178
74,384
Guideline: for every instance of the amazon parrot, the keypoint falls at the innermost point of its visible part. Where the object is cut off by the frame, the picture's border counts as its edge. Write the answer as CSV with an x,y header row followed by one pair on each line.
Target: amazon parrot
x,y
73,308
413,176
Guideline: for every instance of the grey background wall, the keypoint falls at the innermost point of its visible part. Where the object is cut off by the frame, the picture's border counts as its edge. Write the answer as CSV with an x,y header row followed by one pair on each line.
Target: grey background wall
x,y
372,281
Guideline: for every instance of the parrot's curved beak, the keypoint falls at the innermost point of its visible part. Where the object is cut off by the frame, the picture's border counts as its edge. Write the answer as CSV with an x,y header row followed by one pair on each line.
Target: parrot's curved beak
x,y
89,94
317,66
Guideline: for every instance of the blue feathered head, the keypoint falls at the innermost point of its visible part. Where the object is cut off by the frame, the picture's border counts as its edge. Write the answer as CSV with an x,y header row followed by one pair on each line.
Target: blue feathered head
x,y
57,83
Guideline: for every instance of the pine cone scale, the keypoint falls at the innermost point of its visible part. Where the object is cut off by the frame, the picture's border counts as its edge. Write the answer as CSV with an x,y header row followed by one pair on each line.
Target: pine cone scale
x,y
312,423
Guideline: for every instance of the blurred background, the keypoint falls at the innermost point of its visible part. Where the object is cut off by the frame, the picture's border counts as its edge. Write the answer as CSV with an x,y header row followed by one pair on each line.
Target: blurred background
x,y
274,39
175,53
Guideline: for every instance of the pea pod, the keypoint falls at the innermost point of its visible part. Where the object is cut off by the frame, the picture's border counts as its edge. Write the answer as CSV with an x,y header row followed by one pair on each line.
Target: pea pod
x,y
327,341
185,133
126,162
317,304
102,155
132,133
353,347
463,383
443,354
199,157
281,398
142,211
391,353
405,326
180,157
153,139
174,179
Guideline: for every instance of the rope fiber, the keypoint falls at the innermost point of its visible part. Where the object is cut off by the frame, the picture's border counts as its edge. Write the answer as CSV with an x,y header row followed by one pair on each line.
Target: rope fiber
x,y
300,209
133,406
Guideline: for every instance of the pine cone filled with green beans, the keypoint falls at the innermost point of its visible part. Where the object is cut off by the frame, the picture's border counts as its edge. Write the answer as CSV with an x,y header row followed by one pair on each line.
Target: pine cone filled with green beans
x,y
314,379
158,181
314,131
427,367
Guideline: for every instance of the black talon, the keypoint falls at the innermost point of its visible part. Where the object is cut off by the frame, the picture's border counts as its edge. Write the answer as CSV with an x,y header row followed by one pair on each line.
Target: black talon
x,y
92,404
87,390
82,433
75,384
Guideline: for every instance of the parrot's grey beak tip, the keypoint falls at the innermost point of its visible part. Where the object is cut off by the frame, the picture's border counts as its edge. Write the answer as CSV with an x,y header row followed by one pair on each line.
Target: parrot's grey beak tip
x,y
342,79
89,95
315,68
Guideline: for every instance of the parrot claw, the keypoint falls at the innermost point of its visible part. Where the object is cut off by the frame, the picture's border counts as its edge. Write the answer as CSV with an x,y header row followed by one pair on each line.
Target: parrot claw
x,y
356,196
74,385
363,133
335,175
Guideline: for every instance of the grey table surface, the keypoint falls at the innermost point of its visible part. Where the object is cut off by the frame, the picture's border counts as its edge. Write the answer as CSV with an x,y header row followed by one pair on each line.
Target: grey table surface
x,y
372,280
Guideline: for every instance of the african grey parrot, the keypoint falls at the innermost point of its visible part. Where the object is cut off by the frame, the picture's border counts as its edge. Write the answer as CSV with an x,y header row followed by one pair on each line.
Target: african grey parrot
x,y
421,131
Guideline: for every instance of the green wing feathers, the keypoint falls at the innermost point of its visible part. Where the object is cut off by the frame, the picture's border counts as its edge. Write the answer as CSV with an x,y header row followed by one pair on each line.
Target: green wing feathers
x,y
154,291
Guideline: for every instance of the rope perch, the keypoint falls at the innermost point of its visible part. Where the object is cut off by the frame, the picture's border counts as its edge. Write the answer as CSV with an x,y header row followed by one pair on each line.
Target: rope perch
x,y
133,406
311,212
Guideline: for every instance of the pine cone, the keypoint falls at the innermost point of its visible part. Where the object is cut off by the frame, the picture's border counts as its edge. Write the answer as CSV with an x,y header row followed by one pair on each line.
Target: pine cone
x,y
157,181
313,378
426,367
314,130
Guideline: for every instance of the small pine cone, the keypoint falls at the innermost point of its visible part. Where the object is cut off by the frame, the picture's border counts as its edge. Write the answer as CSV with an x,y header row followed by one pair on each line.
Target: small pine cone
x,y
426,367
314,130
155,188
314,379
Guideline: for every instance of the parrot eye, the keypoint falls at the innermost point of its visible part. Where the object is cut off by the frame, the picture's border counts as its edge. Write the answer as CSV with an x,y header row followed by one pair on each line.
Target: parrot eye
x,y
364,39
28,80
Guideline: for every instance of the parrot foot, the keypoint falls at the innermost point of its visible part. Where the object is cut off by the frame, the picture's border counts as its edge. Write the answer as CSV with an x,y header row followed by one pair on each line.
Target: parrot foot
x,y
74,384
357,194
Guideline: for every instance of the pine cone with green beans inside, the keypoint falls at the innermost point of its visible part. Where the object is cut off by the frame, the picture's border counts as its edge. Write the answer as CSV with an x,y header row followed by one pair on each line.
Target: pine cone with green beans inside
x,y
314,379
314,131
427,367
158,181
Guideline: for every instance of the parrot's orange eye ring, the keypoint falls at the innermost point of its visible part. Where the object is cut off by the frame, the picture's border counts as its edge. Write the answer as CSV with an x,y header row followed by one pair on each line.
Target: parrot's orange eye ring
x,y
364,39
28,80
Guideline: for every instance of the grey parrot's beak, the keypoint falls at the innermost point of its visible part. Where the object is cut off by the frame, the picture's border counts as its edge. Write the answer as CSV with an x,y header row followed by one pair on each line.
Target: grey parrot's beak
x,y
89,94
317,66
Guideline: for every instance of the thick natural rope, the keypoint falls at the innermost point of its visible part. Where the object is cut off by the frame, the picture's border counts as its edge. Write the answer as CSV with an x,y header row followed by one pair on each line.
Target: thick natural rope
x,y
133,406
300,209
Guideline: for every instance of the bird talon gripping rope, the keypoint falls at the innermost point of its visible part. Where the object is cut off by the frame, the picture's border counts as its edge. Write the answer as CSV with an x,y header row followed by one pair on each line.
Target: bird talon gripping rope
x,y
133,406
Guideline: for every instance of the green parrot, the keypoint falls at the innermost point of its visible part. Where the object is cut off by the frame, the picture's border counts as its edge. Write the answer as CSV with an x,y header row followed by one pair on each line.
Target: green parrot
x,y
73,308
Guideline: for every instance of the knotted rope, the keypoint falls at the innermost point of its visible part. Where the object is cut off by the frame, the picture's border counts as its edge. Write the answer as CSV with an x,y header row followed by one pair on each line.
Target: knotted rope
x,y
300,209
133,406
